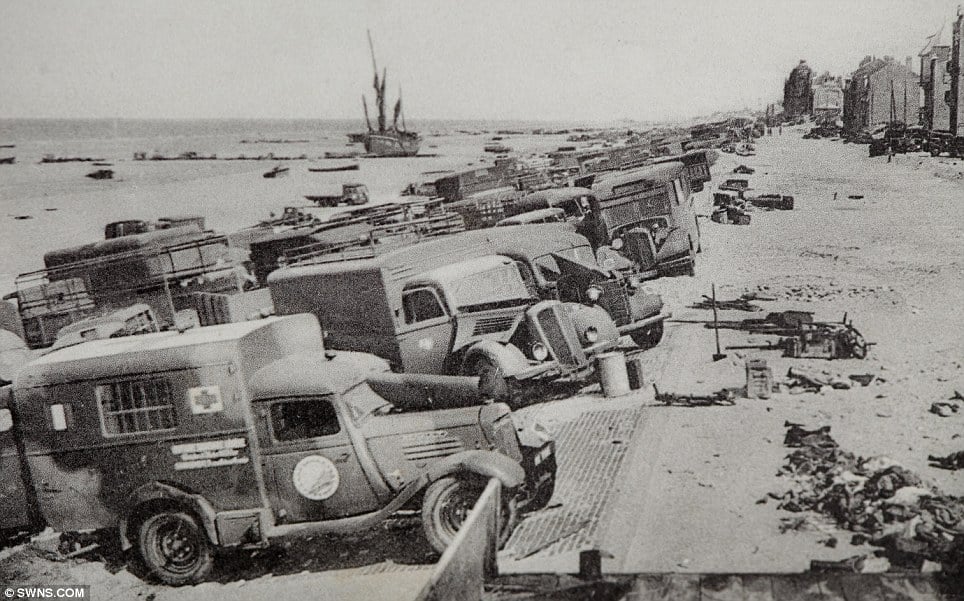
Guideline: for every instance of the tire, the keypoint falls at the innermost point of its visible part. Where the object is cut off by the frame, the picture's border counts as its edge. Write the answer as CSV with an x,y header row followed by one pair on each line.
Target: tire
x,y
492,382
649,337
446,505
175,549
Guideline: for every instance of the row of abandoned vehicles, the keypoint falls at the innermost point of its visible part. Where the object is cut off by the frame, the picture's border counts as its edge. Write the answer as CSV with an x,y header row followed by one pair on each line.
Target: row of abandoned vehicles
x,y
191,405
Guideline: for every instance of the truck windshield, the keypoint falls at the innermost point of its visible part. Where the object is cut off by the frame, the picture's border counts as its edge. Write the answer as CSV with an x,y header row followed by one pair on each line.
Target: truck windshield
x,y
501,286
363,402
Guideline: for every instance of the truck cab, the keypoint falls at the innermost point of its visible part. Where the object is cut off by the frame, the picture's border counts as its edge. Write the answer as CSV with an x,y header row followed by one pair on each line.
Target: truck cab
x,y
236,435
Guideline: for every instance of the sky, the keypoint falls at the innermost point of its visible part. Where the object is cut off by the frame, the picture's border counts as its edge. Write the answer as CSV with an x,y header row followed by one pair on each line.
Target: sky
x,y
524,59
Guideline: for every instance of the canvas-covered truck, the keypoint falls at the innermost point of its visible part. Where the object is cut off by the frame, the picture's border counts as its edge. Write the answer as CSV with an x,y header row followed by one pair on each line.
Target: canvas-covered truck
x,y
647,216
434,308
231,436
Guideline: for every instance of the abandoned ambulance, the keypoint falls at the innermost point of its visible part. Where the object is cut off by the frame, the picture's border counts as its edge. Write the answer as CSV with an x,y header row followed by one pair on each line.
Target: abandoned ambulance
x,y
233,435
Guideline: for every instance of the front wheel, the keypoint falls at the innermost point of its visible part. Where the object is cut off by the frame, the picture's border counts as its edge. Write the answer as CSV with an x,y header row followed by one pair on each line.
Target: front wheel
x,y
175,548
492,382
446,506
649,337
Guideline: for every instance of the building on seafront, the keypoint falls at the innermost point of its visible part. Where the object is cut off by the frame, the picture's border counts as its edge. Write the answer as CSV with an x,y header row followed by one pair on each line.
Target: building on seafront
x,y
956,74
797,92
935,82
828,98
881,90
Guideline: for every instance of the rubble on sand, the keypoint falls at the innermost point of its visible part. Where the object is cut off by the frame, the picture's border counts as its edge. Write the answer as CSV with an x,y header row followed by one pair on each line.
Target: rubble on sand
x,y
886,504
949,407
951,461
742,303
800,379
720,397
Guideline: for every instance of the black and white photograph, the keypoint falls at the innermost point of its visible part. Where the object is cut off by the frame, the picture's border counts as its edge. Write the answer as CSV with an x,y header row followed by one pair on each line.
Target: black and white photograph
x,y
488,300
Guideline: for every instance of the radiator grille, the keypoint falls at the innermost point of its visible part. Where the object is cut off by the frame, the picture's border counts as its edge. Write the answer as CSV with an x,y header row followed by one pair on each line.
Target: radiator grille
x,y
616,302
431,445
491,325
560,336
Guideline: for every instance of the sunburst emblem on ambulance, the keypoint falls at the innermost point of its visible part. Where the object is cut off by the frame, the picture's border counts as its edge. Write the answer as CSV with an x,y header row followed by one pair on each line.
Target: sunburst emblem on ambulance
x,y
315,477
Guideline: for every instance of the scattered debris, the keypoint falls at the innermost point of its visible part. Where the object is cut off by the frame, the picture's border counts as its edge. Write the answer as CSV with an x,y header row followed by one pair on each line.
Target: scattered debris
x,y
759,379
771,202
863,379
859,564
276,172
721,397
944,408
952,461
739,304
101,174
729,208
814,380
877,497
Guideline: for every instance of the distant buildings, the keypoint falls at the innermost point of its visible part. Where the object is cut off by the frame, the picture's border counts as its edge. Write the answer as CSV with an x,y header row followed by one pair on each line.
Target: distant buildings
x,y
881,91
797,93
828,98
956,88
935,82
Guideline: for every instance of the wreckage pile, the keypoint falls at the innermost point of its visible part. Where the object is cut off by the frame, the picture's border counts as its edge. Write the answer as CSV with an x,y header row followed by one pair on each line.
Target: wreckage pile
x,y
882,502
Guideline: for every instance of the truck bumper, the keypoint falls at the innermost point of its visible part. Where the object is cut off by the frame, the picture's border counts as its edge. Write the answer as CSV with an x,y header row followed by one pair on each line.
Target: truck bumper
x,y
644,323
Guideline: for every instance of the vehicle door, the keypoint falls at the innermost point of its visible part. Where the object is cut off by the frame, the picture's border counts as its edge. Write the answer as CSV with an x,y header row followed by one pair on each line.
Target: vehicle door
x,y
15,508
426,330
310,466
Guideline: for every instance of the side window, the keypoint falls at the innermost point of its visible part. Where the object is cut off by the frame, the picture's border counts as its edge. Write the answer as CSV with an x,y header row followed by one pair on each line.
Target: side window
x,y
6,420
136,406
421,304
309,418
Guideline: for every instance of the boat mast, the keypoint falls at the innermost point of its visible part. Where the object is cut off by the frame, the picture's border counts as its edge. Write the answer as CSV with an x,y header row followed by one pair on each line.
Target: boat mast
x,y
379,85
364,102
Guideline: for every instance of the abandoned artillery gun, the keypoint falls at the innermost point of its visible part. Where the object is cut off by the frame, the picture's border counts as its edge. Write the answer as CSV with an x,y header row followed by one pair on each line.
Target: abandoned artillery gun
x,y
803,338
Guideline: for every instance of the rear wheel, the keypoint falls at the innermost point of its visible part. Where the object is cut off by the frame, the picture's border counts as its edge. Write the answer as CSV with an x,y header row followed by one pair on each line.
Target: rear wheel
x,y
648,337
175,548
446,506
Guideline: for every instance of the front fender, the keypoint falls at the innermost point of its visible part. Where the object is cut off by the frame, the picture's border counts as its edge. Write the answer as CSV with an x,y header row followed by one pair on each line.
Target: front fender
x,y
645,303
489,464
508,357
584,317
154,492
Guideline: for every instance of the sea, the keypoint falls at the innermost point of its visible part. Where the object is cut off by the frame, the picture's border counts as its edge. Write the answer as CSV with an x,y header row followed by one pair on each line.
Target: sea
x,y
49,206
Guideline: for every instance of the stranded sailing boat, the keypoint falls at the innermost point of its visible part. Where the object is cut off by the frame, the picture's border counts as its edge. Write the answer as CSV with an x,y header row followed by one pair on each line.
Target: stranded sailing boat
x,y
394,141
